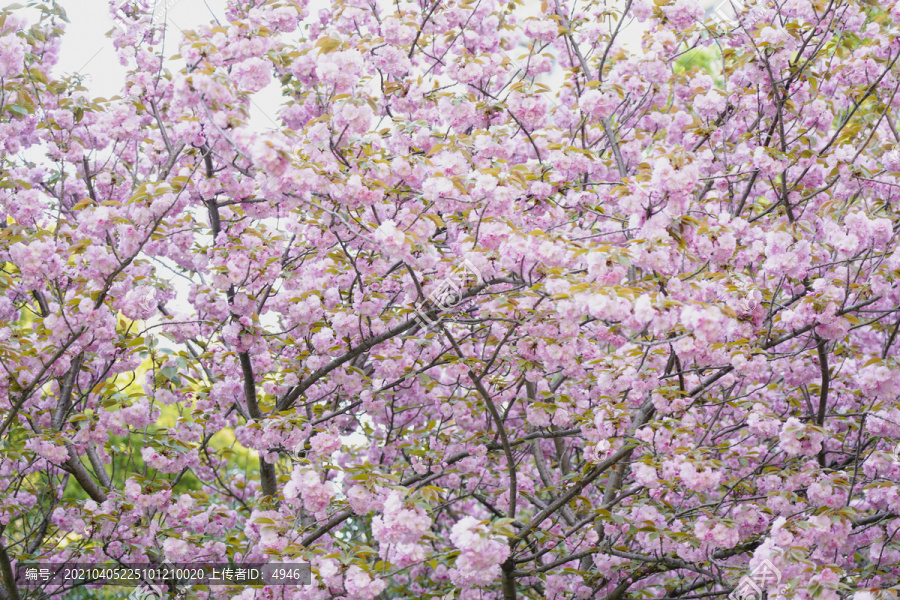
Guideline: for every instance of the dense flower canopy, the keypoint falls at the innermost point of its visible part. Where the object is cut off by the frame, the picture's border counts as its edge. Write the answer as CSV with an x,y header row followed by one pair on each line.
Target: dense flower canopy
x,y
503,307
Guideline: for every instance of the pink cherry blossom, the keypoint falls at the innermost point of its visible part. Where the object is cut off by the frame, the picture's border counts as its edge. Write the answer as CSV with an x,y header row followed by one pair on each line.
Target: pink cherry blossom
x,y
478,564
12,55
457,299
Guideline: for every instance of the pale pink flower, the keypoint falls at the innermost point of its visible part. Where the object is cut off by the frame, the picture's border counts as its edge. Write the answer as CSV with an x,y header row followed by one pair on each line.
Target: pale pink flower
x,y
325,444
797,439
360,585
177,550
399,525
57,454
544,30
710,105
36,258
12,55
361,499
140,303
396,32
598,104
306,485
252,74
644,312
340,69
479,562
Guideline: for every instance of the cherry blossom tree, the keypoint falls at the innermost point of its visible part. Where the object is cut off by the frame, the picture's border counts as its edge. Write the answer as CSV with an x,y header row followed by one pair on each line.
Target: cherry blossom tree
x,y
503,308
